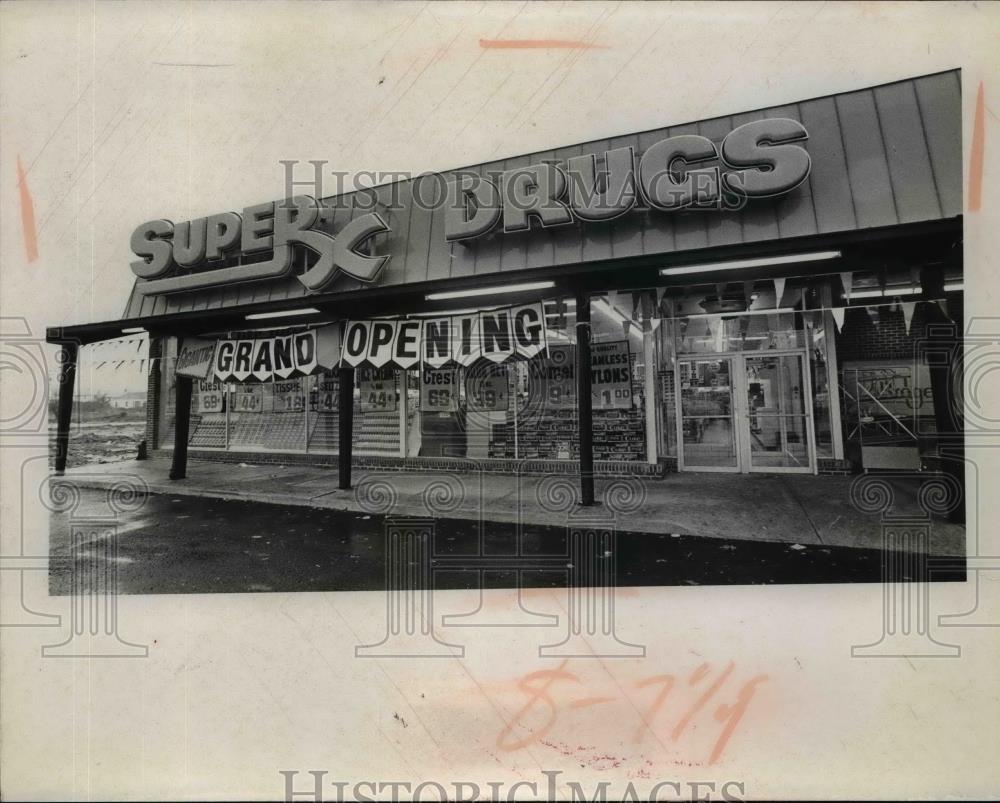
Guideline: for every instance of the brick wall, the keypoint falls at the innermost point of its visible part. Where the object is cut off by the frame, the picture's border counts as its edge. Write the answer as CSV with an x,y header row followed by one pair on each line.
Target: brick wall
x,y
860,339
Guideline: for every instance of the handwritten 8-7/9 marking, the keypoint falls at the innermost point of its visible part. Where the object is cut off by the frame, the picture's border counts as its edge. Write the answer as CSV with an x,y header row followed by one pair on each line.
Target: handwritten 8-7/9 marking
x,y
537,686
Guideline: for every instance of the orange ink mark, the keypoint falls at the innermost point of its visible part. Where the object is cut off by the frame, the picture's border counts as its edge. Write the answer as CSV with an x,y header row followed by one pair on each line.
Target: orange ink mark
x,y
734,713
27,214
538,44
584,702
539,693
698,674
647,721
679,728
976,158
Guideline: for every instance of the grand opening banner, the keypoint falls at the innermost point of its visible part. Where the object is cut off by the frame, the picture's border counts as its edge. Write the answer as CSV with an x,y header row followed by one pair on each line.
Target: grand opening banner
x,y
280,357
496,335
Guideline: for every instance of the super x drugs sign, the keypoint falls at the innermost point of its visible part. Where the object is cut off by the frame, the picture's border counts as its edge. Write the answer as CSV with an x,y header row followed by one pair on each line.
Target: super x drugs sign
x,y
265,359
495,335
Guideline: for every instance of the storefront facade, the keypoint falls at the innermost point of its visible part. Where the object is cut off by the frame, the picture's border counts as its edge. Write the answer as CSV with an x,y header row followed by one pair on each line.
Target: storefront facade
x,y
744,294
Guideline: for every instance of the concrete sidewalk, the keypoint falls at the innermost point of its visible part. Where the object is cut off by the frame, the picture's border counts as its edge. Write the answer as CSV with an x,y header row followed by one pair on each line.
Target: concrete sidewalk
x,y
802,509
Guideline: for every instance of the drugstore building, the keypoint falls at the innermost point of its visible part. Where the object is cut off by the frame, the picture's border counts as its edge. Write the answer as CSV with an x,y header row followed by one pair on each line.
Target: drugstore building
x,y
750,293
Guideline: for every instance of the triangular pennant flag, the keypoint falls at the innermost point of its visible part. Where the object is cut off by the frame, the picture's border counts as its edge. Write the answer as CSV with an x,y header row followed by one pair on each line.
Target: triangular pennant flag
x,y
747,293
908,308
873,315
838,317
713,327
646,306
943,304
659,295
779,291
610,298
847,280
626,324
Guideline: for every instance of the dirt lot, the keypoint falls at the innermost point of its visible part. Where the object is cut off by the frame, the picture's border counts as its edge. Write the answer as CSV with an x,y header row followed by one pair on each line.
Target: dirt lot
x,y
102,439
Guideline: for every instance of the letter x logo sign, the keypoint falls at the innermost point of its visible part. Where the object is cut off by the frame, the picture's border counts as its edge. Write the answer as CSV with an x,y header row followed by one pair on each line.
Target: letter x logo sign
x,y
341,253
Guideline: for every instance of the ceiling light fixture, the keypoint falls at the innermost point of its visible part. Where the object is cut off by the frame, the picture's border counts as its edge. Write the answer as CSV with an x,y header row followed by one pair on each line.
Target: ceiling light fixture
x,y
489,291
260,316
781,259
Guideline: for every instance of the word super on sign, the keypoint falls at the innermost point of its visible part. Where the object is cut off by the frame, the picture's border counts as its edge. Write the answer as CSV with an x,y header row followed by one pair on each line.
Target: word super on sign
x,y
173,257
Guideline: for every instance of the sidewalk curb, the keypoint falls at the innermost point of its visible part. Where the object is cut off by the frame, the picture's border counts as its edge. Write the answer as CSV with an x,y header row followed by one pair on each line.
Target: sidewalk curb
x,y
344,504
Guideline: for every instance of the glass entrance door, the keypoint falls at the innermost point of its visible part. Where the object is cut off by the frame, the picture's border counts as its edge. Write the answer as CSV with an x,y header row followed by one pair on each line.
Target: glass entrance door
x,y
745,413
708,432
778,428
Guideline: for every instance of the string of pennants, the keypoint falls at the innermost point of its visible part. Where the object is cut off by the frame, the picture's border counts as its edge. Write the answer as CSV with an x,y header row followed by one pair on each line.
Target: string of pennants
x,y
838,313
103,358
497,335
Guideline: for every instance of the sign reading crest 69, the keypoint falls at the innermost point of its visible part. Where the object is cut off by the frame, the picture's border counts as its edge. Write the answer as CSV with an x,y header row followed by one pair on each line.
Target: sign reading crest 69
x,y
209,397
438,390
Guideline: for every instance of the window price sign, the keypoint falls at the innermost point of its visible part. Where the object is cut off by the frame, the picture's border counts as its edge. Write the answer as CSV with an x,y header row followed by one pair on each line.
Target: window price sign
x,y
327,392
209,397
438,390
556,378
610,375
378,389
486,390
289,397
248,399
